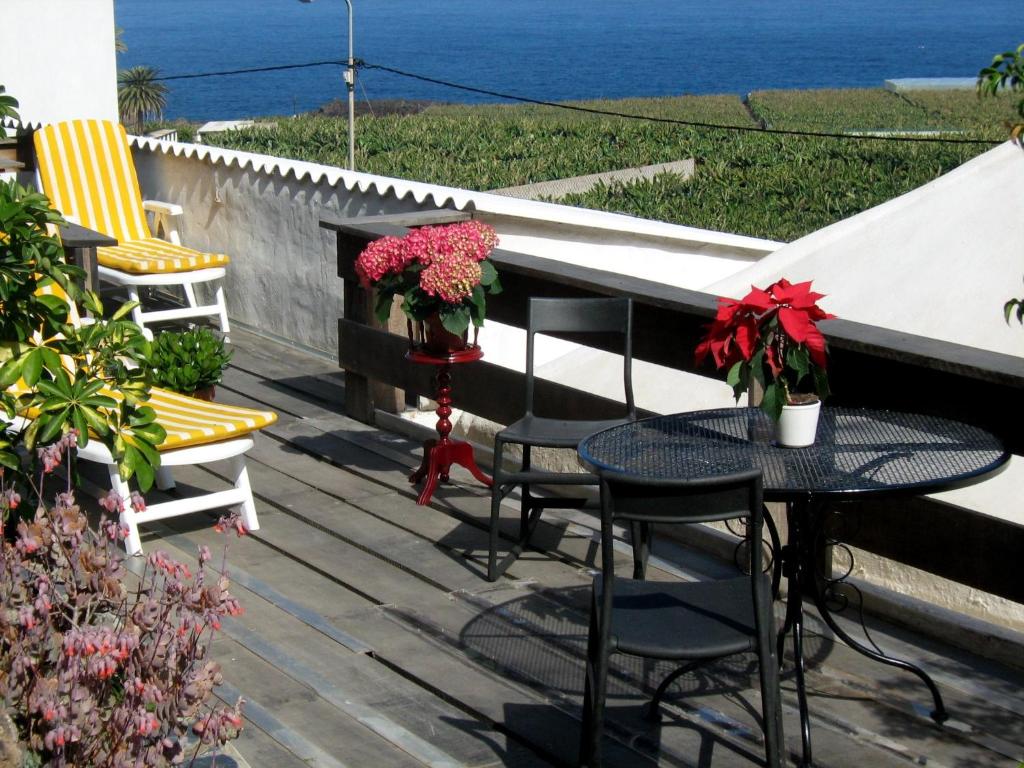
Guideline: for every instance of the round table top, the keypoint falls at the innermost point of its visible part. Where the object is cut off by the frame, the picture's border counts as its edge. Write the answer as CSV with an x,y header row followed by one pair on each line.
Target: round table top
x,y
856,451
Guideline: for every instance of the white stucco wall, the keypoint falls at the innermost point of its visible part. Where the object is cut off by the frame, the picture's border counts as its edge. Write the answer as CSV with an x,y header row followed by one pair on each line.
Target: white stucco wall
x,y
58,58
939,261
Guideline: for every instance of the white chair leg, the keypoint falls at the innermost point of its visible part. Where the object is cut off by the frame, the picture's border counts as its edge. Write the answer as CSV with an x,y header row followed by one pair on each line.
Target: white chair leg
x,y
190,294
133,541
133,295
225,327
240,477
164,478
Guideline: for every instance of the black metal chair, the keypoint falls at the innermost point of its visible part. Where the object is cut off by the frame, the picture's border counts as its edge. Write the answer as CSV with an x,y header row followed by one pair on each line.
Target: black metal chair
x,y
692,622
574,316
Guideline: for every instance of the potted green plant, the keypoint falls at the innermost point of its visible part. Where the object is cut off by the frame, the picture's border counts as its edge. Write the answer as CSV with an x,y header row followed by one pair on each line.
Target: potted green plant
x,y
442,274
191,362
771,336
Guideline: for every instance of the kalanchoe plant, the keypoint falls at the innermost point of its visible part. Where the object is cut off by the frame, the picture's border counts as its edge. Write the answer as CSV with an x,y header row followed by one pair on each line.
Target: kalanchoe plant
x,y
61,374
98,668
188,361
770,336
436,269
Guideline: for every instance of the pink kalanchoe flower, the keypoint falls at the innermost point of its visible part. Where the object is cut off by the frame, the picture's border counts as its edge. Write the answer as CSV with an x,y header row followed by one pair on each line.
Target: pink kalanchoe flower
x,y
10,499
51,457
112,502
138,503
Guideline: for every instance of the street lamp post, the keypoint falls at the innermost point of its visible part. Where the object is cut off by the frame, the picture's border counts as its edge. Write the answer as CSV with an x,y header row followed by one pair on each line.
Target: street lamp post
x,y
350,83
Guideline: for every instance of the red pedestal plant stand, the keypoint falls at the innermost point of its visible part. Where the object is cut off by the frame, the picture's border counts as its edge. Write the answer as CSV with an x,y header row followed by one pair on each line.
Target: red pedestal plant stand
x,y
439,454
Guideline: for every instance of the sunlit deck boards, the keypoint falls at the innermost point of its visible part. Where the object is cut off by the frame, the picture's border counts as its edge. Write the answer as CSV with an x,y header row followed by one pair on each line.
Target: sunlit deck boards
x,y
371,639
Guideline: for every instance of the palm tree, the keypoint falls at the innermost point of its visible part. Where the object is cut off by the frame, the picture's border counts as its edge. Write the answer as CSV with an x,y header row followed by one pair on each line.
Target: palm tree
x,y
140,96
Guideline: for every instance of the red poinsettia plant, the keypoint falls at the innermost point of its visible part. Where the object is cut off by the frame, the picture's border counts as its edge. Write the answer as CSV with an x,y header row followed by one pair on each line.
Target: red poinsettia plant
x,y
772,336
441,270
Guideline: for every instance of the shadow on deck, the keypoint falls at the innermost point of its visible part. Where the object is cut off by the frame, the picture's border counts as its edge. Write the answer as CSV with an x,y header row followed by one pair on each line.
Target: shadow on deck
x,y
370,637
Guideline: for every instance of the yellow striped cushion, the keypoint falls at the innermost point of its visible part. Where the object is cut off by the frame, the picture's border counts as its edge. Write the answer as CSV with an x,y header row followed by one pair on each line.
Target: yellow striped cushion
x,y
153,255
189,421
87,172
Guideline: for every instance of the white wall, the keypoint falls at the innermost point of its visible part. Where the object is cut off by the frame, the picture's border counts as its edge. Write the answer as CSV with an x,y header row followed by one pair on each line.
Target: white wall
x,y
939,261
57,58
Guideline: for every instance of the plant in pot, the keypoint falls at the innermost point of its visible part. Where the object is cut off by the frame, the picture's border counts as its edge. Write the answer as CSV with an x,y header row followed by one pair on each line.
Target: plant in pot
x,y
771,336
191,362
443,275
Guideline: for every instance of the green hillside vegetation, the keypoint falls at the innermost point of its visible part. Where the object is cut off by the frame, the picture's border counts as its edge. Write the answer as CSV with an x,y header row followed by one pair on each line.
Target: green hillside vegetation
x,y
777,187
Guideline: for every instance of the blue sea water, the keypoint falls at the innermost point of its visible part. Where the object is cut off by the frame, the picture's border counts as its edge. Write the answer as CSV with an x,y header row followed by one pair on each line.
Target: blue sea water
x,y
548,49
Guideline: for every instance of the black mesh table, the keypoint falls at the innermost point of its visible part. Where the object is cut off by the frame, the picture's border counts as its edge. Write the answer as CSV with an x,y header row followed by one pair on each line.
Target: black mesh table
x,y
856,453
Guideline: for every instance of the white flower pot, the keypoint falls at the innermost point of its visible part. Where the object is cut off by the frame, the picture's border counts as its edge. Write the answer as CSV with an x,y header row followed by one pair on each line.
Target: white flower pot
x,y
798,425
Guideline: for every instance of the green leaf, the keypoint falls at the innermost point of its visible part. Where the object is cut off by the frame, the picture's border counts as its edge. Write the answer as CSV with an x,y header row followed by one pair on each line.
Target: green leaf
x,y
456,321
33,367
774,399
488,273
10,371
124,310
738,378
54,424
798,360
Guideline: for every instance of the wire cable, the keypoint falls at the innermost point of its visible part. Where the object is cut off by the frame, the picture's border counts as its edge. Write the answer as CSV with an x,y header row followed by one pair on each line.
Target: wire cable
x,y
277,68
675,121
360,64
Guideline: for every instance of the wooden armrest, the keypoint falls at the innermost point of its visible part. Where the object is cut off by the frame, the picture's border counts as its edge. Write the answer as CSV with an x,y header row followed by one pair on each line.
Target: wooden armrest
x,y
74,235
155,206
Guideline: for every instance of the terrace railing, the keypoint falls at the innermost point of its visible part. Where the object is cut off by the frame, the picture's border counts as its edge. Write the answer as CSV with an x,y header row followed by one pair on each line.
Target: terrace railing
x,y
869,366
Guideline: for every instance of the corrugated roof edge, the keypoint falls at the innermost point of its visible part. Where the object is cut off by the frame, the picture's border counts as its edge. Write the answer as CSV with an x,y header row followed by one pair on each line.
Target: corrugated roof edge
x,y
461,199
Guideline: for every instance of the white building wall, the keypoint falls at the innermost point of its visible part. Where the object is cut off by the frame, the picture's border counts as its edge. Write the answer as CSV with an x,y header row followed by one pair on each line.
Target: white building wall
x,y
57,58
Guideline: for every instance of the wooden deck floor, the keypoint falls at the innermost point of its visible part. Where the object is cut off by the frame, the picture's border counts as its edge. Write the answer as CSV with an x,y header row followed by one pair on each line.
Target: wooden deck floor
x,y
371,639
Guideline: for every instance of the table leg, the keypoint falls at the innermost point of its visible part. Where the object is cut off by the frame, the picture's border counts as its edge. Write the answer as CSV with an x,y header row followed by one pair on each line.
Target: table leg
x,y
820,587
439,454
794,569
802,561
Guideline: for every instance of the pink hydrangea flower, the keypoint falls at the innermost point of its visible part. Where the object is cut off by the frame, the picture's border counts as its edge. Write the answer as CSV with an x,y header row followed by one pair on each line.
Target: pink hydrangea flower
x,y
388,255
451,279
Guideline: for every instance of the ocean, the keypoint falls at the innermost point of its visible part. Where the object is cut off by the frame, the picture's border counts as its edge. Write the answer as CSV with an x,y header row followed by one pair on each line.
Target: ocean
x,y
552,50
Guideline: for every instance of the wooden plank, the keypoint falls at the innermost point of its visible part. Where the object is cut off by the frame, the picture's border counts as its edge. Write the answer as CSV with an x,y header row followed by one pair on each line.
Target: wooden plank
x,y
337,223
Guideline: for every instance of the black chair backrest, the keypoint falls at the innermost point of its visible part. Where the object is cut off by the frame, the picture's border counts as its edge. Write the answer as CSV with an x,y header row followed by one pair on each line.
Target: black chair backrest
x,y
711,499
597,315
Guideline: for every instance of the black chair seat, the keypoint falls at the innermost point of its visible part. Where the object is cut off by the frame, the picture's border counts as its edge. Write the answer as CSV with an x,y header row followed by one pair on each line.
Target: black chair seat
x,y
677,620
554,433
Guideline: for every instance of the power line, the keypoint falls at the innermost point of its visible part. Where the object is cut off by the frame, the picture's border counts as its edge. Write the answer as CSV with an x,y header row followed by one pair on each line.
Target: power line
x,y
250,71
592,110
675,121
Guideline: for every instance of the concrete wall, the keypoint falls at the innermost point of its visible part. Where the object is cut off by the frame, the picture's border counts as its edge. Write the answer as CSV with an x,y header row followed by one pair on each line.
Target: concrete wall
x,y
283,277
58,58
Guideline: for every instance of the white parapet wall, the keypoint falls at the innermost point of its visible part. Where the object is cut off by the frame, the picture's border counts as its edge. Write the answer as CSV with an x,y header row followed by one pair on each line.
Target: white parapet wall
x,y
264,212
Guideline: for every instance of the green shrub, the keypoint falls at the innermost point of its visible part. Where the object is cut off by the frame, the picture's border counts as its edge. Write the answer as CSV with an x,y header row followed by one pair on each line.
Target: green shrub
x,y
187,361
771,186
